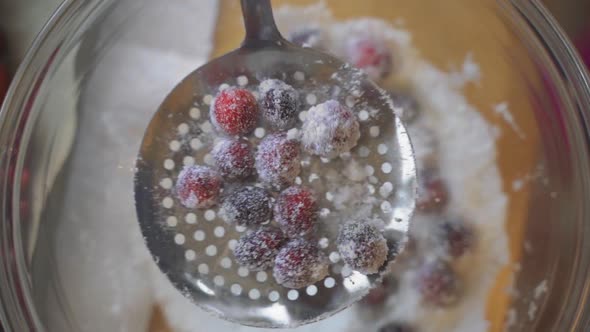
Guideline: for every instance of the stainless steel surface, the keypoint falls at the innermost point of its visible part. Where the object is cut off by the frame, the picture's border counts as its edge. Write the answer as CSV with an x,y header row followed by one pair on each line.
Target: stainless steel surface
x,y
265,54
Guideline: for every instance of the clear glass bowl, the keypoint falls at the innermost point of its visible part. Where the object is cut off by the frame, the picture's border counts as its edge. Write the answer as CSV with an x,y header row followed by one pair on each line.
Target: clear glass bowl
x,y
53,131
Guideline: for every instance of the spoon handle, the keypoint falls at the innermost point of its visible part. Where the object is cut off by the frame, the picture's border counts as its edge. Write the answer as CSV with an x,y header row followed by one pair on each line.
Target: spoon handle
x,y
259,22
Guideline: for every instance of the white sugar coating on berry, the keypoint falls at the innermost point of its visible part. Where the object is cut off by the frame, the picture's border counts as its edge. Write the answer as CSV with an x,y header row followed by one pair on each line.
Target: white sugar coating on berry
x,y
247,206
280,103
234,159
300,263
278,160
329,129
362,246
257,250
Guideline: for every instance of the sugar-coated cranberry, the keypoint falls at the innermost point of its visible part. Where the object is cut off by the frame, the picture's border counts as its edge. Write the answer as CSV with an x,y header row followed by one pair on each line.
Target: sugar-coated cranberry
x,y
300,263
456,237
396,327
329,129
433,194
371,55
234,111
280,103
406,105
296,211
198,187
257,250
362,246
306,37
234,159
278,160
438,283
247,206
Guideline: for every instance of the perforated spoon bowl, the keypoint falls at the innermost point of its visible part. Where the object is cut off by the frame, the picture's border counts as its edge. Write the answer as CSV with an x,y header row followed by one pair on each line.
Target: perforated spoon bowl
x,y
194,247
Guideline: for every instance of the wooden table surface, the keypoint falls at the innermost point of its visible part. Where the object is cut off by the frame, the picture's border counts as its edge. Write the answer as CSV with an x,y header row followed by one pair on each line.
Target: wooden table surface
x,y
445,41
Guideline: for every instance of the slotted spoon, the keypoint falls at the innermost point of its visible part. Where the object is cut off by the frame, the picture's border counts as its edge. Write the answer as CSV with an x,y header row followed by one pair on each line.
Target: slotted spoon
x,y
194,247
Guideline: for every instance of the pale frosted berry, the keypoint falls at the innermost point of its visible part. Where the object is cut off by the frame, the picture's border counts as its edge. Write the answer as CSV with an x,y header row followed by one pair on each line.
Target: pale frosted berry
x,y
371,55
247,206
362,246
278,160
329,129
257,250
234,111
296,211
300,263
198,187
280,103
437,283
234,159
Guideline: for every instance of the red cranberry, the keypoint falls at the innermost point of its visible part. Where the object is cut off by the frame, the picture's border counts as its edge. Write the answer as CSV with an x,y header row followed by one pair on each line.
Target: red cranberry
x,y
329,129
278,160
438,283
300,263
198,187
247,206
456,237
234,111
371,55
234,159
433,194
280,103
258,249
362,246
296,211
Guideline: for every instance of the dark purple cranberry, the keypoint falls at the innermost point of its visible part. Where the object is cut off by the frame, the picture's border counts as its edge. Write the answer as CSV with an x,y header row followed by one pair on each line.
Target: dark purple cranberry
x,y
433,194
257,250
247,206
362,246
396,327
456,237
300,263
280,103
438,283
